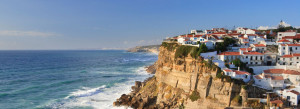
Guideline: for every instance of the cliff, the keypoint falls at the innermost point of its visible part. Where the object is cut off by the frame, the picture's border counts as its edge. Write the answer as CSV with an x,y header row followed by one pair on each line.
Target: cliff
x,y
185,82
149,49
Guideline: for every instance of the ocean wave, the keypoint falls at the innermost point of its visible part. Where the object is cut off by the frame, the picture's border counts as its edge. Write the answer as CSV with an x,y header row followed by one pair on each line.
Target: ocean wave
x,y
101,97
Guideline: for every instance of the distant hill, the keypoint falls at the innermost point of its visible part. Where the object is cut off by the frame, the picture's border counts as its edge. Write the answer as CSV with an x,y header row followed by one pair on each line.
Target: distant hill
x,y
148,48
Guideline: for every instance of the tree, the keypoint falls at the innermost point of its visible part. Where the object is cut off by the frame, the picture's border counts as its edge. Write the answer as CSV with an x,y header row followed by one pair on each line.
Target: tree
x,y
202,48
237,62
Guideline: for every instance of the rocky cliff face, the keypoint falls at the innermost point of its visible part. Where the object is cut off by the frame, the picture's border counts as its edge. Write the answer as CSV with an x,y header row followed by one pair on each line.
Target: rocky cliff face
x,y
183,82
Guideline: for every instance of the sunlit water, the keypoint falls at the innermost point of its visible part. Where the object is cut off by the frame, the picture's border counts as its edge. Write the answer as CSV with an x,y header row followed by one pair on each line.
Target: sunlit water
x,y
68,79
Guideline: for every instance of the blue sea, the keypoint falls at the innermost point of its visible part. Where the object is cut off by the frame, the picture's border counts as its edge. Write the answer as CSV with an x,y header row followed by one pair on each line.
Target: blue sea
x,y
69,79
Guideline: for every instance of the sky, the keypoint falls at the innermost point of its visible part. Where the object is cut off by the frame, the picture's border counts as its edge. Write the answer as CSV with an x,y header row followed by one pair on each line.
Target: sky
x,y
121,24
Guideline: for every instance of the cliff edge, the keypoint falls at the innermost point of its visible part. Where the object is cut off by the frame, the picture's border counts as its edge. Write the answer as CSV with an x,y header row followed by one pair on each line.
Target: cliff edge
x,y
182,81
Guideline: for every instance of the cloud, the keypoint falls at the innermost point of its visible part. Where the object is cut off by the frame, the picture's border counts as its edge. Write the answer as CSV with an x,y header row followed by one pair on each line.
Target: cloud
x,y
27,33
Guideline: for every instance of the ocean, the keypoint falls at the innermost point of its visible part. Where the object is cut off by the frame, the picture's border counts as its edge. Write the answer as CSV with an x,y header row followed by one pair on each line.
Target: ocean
x,y
87,79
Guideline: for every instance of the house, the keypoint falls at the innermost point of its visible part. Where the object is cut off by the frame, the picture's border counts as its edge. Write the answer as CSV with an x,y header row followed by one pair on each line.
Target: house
x,y
237,74
287,49
242,30
268,82
295,39
292,77
208,31
229,56
292,59
197,32
287,33
244,41
259,47
252,58
209,44
284,41
276,103
292,96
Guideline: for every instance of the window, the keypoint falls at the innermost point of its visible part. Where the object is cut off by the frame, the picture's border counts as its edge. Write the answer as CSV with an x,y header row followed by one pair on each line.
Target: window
x,y
255,62
261,58
284,48
256,57
283,59
296,48
259,80
250,62
246,56
280,34
246,62
278,58
283,63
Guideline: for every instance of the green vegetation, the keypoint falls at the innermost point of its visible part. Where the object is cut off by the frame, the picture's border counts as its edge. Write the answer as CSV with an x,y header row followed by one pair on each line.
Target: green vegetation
x,y
195,95
183,51
169,46
243,66
283,29
237,99
222,46
244,87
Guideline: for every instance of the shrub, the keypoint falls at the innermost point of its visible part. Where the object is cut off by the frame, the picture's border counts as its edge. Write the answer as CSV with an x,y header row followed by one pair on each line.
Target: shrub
x,y
169,46
237,98
195,95
244,87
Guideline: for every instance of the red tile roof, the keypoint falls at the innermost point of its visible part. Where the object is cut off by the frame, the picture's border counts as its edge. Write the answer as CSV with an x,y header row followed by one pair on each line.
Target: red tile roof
x,y
259,45
229,53
290,44
251,34
287,56
219,33
257,77
295,92
252,53
284,40
241,72
228,70
246,49
281,71
274,77
276,102
274,71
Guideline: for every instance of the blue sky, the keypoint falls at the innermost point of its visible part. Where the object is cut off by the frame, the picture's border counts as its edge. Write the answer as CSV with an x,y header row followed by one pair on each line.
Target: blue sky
x,y
119,24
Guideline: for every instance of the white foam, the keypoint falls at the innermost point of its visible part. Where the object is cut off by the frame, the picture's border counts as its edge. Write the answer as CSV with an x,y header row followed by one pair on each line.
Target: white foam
x,y
102,97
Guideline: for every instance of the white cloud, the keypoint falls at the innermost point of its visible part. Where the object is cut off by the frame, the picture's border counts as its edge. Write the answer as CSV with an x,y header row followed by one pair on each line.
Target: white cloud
x,y
27,33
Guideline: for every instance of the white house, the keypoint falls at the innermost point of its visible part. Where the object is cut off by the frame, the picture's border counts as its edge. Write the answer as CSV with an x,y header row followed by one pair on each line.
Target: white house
x,y
284,41
292,96
292,77
209,31
268,81
292,59
259,47
245,76
197,32
242,30
210,44
287,33
229,56
252,58
287,49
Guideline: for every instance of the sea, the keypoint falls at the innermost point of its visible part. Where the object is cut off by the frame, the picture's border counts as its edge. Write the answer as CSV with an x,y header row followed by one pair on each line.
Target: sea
x,y
70,79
